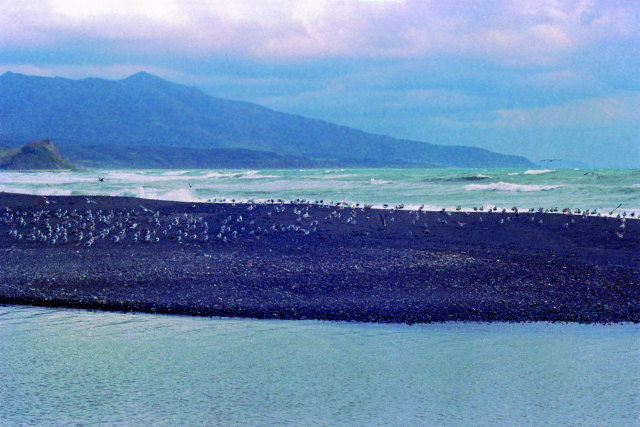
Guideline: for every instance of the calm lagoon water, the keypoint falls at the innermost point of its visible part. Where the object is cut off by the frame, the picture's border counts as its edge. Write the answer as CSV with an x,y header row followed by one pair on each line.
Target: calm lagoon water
x,y
60,366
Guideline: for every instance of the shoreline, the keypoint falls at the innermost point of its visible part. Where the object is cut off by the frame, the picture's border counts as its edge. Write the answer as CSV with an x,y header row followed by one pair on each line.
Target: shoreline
x,y
105,309
304,261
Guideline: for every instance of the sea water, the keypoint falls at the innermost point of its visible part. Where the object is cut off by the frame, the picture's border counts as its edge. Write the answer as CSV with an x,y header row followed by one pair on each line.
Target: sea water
x,y
62,366
603,190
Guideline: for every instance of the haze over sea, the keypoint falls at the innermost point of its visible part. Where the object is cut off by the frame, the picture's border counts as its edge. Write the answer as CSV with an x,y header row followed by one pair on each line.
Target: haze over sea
x,y
601,189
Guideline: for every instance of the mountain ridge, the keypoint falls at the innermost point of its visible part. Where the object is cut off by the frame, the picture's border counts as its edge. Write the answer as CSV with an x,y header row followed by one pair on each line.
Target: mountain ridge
x,y
144,109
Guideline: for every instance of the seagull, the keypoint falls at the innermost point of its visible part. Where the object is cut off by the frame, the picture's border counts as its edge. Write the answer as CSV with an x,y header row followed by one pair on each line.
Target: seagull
x,y
592,174
549,160
611,213
100,179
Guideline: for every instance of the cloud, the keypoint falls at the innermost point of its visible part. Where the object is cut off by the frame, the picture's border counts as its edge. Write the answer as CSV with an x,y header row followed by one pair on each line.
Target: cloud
x,y
515,30
621,109
166,11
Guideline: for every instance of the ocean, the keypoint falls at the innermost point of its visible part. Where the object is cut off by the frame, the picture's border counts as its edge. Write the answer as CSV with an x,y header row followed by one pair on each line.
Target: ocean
x,y
602,190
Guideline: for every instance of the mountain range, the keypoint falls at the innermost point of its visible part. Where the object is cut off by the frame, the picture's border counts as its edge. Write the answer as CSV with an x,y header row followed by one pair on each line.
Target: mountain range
x,y
145,121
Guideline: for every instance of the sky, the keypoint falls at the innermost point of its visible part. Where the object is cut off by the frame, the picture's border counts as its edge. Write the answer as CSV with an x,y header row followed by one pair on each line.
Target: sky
x,y
539,78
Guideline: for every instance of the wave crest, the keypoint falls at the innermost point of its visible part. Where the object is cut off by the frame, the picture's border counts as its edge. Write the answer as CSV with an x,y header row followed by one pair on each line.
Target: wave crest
x,y
507,186
538,171
177,195
374,181
477,177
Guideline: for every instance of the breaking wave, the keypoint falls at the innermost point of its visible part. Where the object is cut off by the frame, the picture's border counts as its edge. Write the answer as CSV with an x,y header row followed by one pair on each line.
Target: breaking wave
x,y
144,177
327,177
45,178
538,171
254,175
183,176
41,191
477,177
507,186
174,173
178,195
374,181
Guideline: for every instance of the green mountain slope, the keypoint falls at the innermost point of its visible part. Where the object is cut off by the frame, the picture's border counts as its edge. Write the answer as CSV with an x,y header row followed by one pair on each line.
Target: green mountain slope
x,y
159,157
144,110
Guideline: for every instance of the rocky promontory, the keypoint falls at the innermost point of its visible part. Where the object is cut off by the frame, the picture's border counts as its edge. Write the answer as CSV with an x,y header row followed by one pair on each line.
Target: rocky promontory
x,y
37,155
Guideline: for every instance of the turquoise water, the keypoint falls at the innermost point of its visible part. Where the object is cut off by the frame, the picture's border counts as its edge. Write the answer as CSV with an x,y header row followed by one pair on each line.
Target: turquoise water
x,y
590,189
62,366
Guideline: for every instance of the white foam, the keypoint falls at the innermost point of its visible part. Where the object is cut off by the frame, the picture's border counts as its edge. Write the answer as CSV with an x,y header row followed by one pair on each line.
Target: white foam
x,y
374,181
538,171
177,195
42,178
133,177
254,175
42,191
636,185
183,175
251,174
340,176
507,186
216,175
513,173
210,175
174,173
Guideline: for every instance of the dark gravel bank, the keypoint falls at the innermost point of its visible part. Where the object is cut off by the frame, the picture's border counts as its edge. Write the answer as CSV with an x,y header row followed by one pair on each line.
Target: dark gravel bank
x,y
302,261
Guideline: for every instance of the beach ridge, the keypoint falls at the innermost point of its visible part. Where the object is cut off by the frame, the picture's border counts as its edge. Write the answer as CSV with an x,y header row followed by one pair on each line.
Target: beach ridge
x,y
303,260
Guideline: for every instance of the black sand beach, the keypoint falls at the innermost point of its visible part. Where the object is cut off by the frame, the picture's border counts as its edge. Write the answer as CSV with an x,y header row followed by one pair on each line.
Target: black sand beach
x,y
307,260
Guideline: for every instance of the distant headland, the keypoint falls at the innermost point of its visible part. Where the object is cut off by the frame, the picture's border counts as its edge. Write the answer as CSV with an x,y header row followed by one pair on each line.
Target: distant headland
x,y
37,155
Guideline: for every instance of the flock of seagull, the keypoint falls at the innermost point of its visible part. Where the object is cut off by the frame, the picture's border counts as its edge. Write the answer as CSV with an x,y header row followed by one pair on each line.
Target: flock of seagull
x,y
89,227
250,221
